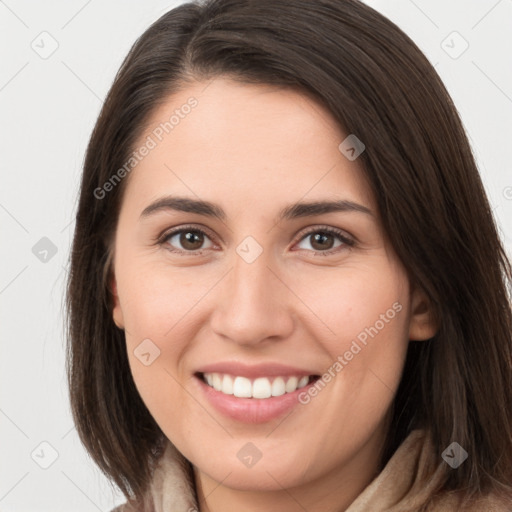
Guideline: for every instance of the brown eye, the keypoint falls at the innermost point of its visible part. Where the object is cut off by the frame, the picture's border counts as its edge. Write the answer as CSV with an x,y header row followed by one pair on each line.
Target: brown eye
x,y
191,240
186,240
323,240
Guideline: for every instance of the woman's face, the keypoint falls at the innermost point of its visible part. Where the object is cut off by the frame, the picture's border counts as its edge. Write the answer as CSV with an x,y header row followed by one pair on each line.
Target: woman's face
x,y
247,291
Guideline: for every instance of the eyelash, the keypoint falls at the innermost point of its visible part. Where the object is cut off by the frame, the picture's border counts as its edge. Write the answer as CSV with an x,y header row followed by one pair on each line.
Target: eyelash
x,y
347,241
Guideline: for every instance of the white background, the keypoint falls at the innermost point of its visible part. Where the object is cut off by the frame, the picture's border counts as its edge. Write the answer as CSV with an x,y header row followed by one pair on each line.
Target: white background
x,y
47,110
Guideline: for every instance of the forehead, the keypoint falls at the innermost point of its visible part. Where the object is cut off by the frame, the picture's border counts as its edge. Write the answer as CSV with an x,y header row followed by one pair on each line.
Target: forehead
x,y
255,142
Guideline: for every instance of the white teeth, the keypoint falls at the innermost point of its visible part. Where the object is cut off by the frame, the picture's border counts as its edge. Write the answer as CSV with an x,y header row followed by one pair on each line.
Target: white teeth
x,y
291,384
303,381
227,385
261,387
278,387
242,387
217,382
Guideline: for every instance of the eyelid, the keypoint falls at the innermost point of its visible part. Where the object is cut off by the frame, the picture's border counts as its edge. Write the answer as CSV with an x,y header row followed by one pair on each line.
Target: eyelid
x,y
178,229
348,241
325,228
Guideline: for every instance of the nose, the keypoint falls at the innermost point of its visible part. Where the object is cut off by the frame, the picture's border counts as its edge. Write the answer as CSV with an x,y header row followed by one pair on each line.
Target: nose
x,y
253,305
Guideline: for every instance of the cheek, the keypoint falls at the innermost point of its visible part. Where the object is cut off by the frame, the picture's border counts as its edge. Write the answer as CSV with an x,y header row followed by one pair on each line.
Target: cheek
x,y
157,307
363,328
157,299
356,304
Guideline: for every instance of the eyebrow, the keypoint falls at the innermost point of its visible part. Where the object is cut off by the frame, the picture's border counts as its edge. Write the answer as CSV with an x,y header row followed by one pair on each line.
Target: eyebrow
x,y
292,211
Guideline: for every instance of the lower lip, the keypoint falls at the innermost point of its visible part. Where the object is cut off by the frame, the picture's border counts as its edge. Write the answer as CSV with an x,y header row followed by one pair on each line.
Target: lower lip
x,y
251,410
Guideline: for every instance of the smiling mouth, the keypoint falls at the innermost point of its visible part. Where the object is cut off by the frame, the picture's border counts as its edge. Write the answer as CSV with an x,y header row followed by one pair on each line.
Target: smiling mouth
x,y
259,388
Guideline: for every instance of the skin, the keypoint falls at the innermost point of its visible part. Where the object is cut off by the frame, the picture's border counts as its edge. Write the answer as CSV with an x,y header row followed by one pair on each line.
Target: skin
x,y
253,149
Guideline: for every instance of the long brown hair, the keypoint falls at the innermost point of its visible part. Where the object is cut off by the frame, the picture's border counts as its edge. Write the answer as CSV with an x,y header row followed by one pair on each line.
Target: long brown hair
x,y
378,85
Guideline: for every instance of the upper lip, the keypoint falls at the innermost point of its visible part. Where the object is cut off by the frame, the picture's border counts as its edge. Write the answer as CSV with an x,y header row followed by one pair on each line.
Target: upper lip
x,y
254,371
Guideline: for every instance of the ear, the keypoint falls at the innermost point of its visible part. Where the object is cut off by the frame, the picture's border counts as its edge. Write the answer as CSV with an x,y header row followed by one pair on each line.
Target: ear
x,y
117,312
423,324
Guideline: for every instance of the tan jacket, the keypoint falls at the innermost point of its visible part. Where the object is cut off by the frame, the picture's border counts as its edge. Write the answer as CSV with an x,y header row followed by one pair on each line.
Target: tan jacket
x,y
400,487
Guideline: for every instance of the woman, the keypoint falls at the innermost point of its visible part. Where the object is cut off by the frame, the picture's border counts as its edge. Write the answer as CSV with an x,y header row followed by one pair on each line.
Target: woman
x,y
287,290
